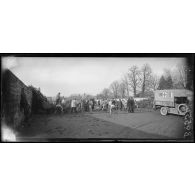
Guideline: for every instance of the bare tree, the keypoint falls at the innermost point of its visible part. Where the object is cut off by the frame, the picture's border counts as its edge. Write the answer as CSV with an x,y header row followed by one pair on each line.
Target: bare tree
x,y
106,93
122,90
99,96
180,76
154,82
125,81
145,75
115,89
182,69
134,79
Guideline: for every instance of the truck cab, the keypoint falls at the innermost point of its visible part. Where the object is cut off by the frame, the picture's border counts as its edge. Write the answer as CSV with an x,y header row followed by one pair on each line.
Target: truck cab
x,y
173,101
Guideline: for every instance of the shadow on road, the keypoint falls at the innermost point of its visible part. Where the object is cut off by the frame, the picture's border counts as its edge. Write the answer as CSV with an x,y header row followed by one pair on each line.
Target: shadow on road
x,y
81,126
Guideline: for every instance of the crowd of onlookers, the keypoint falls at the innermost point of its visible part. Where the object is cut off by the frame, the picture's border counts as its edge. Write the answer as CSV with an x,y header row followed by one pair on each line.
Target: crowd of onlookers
x,y
74,105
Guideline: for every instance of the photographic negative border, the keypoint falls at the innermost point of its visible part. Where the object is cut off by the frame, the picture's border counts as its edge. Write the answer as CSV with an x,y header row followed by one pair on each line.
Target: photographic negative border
x,y
188,56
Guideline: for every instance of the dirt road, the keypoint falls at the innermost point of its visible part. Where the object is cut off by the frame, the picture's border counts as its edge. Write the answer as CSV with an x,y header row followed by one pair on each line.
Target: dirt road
x,y
146,125
149,122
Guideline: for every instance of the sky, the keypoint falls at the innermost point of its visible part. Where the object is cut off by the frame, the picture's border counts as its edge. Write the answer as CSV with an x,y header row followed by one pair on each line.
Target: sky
x,y
79,75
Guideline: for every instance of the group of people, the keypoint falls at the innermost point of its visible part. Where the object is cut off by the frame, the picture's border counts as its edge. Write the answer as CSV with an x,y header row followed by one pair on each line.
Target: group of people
x,y
120,104
88,105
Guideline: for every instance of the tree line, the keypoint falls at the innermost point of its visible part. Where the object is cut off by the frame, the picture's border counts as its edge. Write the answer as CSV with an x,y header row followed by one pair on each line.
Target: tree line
x,y
142,82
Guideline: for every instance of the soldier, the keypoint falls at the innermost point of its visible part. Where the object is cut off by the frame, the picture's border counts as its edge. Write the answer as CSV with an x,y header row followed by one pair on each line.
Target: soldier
x,y
58,99
82,105
111,106
120,105
90,105
132,105
129,105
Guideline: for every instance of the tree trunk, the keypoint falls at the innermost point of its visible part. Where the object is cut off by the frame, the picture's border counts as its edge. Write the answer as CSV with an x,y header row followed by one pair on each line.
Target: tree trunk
x,y
127,92
143,85
134,91
143,90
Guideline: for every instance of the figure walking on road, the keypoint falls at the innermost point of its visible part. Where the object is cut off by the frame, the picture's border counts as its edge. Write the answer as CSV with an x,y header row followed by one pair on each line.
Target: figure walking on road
x,y
111,106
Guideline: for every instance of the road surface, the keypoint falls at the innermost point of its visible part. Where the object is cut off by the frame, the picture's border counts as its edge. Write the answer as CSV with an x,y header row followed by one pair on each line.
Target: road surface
x,y
139,125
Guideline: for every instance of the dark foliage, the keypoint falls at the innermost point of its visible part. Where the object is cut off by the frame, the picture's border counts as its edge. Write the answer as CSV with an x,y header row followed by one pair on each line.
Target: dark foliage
x,y
37,100
165,83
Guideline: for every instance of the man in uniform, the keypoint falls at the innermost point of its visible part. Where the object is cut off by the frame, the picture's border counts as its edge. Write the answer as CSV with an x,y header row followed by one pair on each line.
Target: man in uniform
x,y
58,99
132,104
129,105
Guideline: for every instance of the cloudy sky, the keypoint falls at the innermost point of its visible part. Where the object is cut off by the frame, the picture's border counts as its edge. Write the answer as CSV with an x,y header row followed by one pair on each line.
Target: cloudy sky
x,y
79,75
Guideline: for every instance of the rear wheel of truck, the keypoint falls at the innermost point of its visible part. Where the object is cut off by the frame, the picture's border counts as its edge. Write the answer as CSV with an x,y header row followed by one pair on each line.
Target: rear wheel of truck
x,y
164,111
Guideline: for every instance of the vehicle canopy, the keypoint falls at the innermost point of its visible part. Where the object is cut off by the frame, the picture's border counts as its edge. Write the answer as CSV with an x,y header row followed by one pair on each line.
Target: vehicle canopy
x,y
169,95
138,99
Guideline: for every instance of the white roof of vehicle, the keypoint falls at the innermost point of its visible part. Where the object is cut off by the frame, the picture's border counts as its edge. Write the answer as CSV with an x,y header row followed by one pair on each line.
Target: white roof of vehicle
x,y
140,98
176,92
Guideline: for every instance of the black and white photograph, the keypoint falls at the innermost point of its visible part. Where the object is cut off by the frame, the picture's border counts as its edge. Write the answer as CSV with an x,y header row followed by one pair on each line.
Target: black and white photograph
x,y
94,98
97,97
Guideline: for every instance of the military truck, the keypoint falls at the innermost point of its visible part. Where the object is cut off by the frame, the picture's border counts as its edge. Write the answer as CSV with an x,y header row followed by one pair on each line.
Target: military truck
x,y
173,101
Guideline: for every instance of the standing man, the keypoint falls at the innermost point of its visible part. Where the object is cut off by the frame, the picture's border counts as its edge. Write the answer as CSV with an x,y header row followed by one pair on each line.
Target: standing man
x,y
73,105
58,99
132,105
120,104
90,105
111,106
87,105
129,105
82,105
63,102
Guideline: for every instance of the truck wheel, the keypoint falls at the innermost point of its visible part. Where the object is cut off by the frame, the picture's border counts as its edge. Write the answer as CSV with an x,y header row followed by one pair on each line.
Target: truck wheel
x,y
164,111
182,108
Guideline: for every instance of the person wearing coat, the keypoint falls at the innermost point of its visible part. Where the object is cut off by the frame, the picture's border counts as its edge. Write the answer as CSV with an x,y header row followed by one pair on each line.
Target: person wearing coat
x,y
119,104
129,104
90,105
73,105
111,106
58,98
132,102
